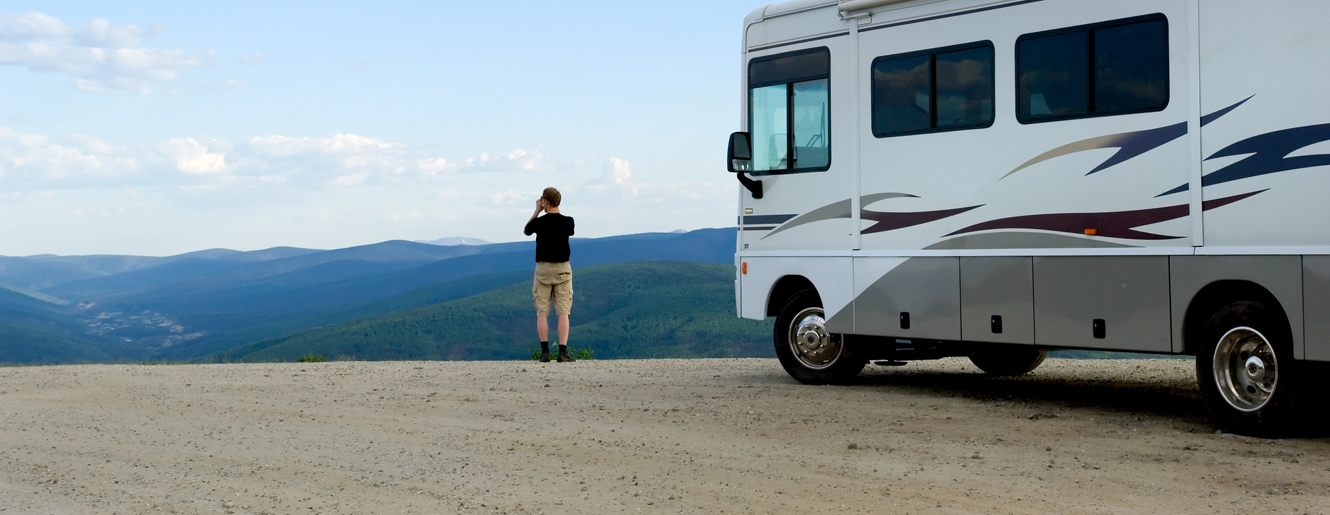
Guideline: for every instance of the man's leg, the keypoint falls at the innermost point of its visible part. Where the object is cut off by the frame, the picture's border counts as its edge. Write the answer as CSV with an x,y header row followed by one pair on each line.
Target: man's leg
x,y
540,293
543,328
563,331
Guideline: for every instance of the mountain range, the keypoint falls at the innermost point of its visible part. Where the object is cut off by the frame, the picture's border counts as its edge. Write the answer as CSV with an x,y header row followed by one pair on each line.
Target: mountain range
x,y
57,309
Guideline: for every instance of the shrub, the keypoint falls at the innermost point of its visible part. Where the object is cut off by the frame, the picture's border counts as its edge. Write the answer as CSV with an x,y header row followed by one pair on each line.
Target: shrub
x,y
577,354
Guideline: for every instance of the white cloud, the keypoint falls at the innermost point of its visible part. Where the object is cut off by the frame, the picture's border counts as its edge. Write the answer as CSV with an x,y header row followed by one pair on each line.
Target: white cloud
x,y
230,85
617,171
255,58
514,197
516,160
192,156
617,177
27,159
100,56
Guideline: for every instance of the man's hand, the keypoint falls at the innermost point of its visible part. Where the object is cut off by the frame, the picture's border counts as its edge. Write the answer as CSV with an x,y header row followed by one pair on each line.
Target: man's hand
x,y
540,206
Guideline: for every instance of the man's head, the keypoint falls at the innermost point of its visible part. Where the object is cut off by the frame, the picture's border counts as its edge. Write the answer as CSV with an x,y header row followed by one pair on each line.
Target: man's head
x,y
552,197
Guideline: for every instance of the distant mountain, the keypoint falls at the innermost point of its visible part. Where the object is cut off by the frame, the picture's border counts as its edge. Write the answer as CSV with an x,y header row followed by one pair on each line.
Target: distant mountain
x,y
44,271
652,309
456,241
256,309
188,305
429,295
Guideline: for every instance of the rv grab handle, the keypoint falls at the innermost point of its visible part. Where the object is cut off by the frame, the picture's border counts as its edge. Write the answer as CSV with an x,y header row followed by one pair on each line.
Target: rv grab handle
x,y
739,159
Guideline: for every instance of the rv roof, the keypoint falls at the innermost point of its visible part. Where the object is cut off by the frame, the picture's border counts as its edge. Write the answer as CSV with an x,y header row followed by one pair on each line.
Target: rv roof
x,y
783,8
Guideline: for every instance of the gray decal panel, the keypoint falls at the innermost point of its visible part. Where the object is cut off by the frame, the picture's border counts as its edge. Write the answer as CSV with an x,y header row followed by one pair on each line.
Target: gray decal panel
x,y
1128,293
1316,294
926,288
1280,275
997,286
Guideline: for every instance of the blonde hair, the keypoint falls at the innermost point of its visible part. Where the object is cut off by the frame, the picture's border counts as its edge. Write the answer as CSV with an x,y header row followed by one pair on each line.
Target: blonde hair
x,y
551,196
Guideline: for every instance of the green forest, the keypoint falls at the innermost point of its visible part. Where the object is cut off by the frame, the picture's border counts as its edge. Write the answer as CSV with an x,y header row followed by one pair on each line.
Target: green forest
x,y
643,309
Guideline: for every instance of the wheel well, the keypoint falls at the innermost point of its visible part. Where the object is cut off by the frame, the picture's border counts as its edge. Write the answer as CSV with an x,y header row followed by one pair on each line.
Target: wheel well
x,y
784,289
1217,295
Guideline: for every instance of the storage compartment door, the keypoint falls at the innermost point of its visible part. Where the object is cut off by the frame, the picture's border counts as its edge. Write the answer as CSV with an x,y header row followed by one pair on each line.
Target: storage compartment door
x,y
1102,302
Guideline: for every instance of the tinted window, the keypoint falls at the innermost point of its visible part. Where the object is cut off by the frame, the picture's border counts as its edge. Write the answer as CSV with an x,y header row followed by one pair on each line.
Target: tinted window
x,y
964,87
789,111
791,68
1109,68
933,90
1053,75
1131,67
901,97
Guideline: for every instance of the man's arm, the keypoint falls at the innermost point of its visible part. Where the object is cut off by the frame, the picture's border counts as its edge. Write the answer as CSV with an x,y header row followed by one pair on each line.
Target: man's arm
x,y
570,226
531,224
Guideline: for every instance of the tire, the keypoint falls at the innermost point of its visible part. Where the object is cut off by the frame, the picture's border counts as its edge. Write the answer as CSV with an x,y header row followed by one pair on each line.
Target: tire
x,y
1246,372
1005,360
808,352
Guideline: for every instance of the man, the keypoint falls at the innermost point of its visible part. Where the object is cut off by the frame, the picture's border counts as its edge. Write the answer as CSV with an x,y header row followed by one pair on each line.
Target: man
x,y
554,275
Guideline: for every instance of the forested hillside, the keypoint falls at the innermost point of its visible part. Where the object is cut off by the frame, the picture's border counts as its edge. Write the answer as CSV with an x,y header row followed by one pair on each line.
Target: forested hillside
x,y
34,331
631,310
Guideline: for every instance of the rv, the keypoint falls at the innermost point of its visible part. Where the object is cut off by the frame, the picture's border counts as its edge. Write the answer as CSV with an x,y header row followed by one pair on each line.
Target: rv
x,y
997,179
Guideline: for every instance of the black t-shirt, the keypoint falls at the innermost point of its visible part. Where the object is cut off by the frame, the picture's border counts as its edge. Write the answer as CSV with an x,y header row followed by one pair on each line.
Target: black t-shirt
x,y
552,232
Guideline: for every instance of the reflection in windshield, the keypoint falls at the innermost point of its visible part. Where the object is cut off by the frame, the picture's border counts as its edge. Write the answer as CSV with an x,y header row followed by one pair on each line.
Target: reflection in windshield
x,y
811,149
769,132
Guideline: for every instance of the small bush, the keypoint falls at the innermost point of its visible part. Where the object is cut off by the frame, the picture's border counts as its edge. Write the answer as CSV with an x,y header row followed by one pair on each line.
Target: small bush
x,y
313,358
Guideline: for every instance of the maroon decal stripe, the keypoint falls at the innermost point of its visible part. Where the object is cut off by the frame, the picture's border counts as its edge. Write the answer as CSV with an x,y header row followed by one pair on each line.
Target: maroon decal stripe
x,y
1121,224
893,221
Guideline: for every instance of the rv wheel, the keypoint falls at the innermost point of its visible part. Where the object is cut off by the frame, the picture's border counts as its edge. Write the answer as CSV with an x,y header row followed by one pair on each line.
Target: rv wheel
x,y
807,351
1246,372
1004,360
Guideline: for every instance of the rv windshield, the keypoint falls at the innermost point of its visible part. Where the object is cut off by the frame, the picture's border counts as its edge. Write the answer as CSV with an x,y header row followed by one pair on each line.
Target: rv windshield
x,y
789,114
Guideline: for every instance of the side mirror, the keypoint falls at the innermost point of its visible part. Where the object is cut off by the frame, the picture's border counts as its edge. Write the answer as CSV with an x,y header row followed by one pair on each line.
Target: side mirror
x,y
740,158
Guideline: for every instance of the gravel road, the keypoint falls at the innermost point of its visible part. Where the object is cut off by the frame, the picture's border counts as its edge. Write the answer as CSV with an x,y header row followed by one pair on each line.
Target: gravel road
x,y
649,436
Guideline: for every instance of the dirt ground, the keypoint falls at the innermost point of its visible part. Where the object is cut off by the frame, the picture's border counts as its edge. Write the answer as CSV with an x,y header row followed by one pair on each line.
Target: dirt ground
x,y
651,436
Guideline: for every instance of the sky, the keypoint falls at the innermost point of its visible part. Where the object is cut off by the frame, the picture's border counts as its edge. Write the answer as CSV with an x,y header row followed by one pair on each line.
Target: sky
x,y
156,128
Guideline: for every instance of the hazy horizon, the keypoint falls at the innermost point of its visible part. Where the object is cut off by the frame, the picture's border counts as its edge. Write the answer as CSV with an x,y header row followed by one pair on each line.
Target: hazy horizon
x,y
429,241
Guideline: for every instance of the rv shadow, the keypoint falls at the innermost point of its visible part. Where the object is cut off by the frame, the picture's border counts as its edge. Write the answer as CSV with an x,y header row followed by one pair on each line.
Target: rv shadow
x,y
1172,399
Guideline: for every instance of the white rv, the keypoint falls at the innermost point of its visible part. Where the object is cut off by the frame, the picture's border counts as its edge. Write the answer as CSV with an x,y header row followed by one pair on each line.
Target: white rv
x,y
994,179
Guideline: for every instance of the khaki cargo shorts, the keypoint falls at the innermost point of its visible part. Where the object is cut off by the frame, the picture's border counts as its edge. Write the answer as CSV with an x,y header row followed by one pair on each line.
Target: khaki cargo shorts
x,y
553,280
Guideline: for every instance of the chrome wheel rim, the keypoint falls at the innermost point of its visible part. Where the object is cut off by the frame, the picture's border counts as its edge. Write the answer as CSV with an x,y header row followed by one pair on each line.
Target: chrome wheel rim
x,y
811,343
1245,367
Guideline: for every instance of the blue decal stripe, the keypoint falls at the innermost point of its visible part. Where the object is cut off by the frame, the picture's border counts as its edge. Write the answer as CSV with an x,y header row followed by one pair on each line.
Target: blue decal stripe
x,y
765,219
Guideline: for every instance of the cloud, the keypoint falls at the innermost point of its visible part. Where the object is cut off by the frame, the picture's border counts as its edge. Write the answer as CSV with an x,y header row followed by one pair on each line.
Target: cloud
x,y
192,156
33,159
198,172
516,160
617,176
254,58
99,56
514,197
230,85
617,171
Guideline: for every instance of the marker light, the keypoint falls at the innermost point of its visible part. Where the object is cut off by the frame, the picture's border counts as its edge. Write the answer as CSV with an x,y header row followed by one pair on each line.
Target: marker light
x,y
745,267
1092,232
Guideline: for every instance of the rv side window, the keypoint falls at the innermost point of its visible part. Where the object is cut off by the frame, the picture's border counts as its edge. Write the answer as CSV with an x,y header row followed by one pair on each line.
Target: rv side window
x,y
789,114
934,90
1110,68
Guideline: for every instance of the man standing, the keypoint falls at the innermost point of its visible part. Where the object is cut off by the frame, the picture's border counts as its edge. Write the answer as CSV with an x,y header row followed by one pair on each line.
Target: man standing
x,y
554,275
